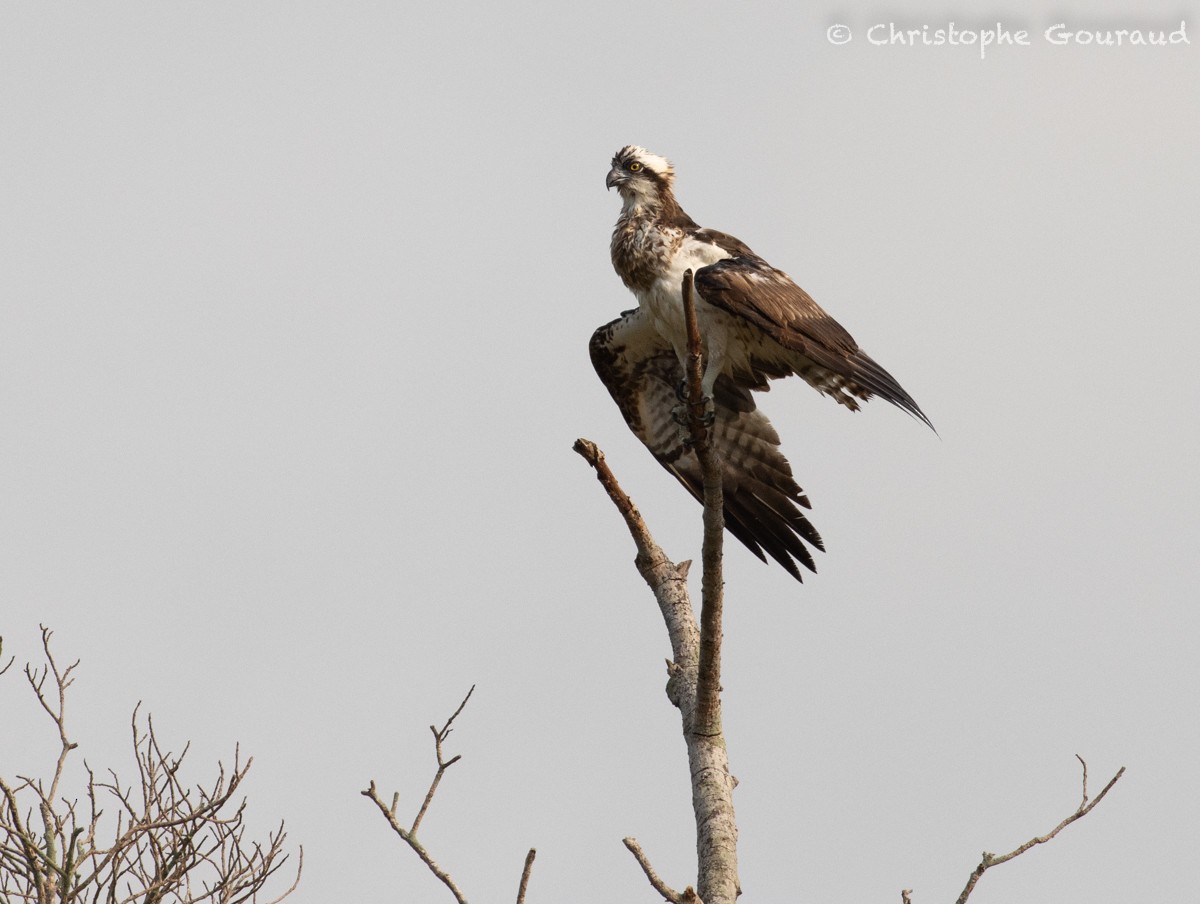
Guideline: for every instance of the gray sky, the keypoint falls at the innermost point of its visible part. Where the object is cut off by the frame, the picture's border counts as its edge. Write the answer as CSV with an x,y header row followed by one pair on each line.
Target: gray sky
x,y
296,306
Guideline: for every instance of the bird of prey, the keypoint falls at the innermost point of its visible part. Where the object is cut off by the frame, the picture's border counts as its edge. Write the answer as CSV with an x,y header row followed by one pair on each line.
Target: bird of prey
x,y
756,325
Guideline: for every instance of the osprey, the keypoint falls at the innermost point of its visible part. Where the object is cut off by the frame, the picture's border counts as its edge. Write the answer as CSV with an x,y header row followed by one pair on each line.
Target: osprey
x,y
756,325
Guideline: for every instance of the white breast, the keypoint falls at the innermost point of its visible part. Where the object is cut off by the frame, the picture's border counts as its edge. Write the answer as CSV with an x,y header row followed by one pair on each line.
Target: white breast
x,y
663,301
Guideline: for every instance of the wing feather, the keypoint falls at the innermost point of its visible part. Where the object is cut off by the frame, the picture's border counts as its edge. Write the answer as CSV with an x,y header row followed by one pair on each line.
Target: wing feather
x,y
749,287
763,502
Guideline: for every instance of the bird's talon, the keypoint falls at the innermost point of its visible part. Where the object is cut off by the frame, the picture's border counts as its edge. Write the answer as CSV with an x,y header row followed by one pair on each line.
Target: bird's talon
x,y
684,394
682,415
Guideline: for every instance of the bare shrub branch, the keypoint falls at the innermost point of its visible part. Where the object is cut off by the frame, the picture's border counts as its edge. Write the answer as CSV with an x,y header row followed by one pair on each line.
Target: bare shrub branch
x,y
165,842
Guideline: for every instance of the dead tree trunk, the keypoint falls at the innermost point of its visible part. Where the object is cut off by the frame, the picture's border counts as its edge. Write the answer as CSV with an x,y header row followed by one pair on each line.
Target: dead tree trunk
x,y
694,684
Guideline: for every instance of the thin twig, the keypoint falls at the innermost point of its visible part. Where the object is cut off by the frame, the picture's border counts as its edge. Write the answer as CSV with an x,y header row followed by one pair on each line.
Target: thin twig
x,y
668,893
525,875
296,882
409,835
11,659
990,860
443,765
1083,802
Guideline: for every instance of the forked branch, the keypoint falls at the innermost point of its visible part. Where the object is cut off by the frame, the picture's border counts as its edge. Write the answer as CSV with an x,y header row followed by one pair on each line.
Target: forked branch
x,y
409,835
438,738
1085,807
694,671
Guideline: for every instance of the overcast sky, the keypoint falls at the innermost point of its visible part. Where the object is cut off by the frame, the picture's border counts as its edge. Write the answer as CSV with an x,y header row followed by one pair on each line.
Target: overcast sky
x,y
296,301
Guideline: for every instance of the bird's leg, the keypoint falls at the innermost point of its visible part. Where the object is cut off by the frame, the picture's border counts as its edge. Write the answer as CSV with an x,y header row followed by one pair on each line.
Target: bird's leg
x,y
713,355
708,381
713,360
682,412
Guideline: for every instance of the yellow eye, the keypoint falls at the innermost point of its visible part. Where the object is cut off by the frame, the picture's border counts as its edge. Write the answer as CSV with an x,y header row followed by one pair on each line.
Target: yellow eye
x,y
635,167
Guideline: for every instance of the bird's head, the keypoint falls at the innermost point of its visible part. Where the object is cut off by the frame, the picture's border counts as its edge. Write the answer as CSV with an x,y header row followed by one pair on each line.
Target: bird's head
x,y
640,176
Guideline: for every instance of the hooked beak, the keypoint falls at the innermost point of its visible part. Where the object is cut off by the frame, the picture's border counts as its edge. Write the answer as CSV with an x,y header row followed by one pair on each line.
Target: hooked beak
x,y
614,178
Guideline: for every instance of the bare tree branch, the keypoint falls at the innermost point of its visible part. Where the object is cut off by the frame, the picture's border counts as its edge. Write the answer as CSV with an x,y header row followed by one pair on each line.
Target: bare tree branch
x,y
524,886
666,579
642,539
409,836
418,848
443,765
668,893
990,860
712,785
708,703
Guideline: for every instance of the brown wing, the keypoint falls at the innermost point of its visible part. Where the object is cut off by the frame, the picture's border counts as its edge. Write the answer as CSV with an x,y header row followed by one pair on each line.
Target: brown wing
x,y
763,502
749,287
